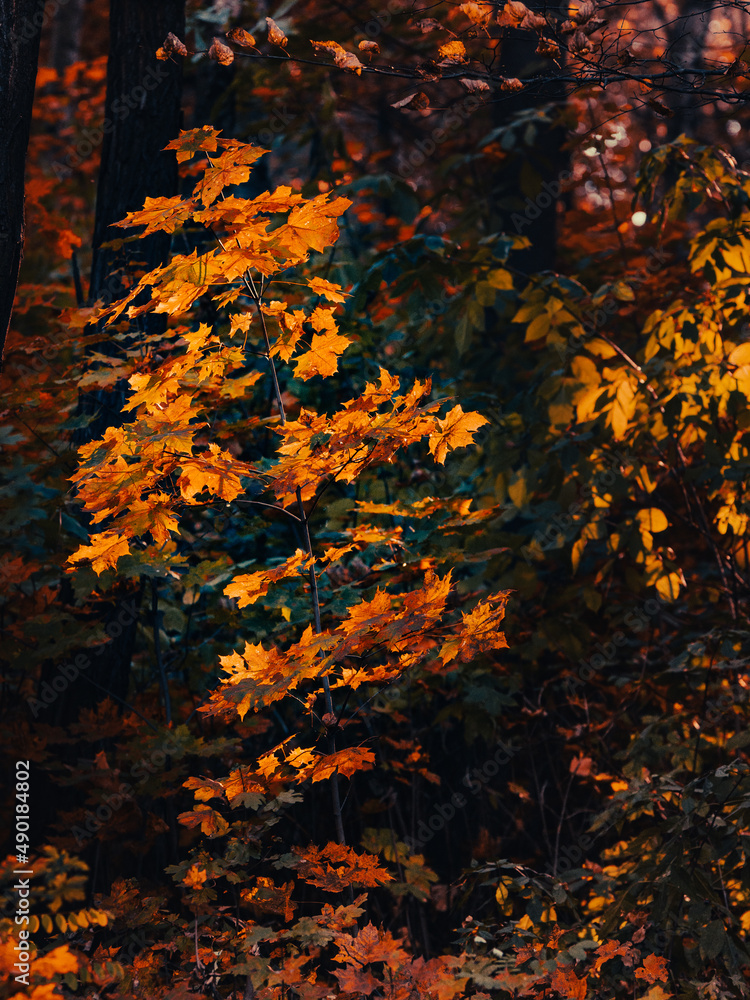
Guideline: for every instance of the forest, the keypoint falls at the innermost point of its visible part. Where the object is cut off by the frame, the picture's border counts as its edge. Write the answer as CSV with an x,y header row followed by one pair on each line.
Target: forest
x,y
374,578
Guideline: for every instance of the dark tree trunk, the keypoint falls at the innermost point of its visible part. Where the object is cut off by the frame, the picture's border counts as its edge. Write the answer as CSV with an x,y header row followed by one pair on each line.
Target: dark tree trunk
x,y
142,114
20,27
525,190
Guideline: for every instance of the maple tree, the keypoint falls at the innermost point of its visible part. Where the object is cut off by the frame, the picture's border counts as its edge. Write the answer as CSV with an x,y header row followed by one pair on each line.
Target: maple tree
x,y
278,494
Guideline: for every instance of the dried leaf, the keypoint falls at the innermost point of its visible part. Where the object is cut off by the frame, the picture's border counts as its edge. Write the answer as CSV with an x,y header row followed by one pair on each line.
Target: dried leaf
x,y
241,37
220,52
173,44
275,35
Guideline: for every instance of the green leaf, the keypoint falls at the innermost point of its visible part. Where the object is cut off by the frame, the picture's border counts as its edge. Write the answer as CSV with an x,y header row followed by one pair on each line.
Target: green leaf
x,y
713,937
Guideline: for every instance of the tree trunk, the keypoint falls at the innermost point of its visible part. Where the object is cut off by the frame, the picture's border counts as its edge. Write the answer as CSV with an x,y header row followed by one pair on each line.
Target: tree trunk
x,y
142,114
525,189
20,27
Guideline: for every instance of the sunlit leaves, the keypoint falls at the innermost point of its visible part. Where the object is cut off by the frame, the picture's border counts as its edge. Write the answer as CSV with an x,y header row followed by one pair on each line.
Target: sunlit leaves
x,y
193,141
456,430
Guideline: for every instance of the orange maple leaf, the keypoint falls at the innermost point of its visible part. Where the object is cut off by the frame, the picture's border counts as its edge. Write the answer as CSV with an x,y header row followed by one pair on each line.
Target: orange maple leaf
x,y
250,587
336,867
104,551
190,142
455,430
565,981
654,967
370,945
211,822
344,762
323,356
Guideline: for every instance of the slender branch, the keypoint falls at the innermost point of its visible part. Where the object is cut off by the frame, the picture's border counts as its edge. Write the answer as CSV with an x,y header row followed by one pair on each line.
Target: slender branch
x,y
157,651
331,729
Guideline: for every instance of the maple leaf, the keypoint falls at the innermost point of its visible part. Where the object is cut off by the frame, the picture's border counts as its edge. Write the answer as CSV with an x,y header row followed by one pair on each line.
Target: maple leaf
x,y
159,215
657,993
232,167
455,430
654,967
193,141
312,225
612,949
335,867
344,762
195,877
329,289
323,356
369,947
565,981
211,822
266,895
215,471
357,981
242,790
103,552
479,632
250,587
205,788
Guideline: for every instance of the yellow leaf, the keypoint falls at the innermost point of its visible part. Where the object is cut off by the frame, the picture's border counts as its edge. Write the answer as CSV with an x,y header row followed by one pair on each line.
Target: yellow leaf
x,y
623,409
517,490
104,551
323,356
455,431
657,993
537,328
740,355
329,289
652,519
453,51
668,586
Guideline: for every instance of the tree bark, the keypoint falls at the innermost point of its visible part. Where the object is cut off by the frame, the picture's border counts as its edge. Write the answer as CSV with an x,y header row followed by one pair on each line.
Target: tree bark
x,y
20,27
142,114
518,194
